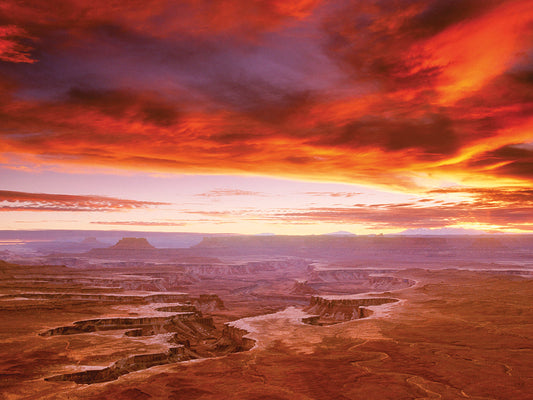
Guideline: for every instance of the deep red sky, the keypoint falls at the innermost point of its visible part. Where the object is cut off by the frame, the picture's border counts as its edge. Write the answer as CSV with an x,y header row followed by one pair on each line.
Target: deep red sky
x,y
425,105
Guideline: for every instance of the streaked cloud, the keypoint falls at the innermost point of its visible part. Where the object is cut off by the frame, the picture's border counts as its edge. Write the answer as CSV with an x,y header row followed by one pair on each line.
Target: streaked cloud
x,y
408,96
12,47
334,194
22,201
495,209
139,223
222,192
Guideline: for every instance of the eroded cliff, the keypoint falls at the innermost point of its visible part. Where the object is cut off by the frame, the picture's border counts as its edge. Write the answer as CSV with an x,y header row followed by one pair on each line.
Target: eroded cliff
x,y
332,310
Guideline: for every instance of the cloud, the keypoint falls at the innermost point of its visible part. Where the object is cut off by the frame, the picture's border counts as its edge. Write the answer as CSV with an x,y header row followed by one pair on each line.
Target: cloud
x,y
445,49
400,216
13,47
511,161
334,194
432,135
357,91
139,223
229,192
505,197
23,201
497,208
436,16
125,104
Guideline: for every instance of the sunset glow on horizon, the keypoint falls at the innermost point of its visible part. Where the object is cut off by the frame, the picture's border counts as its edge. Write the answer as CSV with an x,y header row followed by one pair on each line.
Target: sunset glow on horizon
x,y
302,117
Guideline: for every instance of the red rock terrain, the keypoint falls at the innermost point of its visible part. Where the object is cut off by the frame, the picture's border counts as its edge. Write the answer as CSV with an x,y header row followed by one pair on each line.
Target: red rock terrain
x,y
235,330
459,335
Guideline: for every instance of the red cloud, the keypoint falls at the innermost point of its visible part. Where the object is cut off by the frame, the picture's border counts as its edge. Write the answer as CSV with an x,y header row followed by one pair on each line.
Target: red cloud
x,y
22,201
12,48
358,91
504,207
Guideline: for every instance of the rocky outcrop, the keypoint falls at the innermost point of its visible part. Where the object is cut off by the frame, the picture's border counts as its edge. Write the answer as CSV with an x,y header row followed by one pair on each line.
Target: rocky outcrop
x,y
208,302
302,288
352,280
337,275
204,303
152,298
327,311
166,298
233,340
188,333
389,283
177,308
198,330
111,324
131,243
126,365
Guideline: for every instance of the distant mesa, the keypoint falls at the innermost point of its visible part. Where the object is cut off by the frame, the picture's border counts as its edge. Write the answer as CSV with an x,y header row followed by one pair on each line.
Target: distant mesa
x,y
340,233
131,243
91,241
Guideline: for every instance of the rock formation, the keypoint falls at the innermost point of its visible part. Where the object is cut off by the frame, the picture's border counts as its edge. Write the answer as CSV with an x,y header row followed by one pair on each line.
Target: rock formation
x,y
302,288
233,340
126,365
329,311
130,243
188,333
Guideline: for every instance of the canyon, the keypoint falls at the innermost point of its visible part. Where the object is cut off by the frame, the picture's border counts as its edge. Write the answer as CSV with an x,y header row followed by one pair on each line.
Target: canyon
x,y
256,318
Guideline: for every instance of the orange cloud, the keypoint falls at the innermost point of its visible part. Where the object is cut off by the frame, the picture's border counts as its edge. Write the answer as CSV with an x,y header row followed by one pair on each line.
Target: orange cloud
x,y
357,91
494,209
473,52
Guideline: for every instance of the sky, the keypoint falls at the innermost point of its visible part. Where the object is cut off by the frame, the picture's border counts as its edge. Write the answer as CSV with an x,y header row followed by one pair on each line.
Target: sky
x,y
254,116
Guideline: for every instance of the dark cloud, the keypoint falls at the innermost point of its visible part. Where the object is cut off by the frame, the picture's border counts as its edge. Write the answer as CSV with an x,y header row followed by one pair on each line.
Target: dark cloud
x,y
257,97
512,161
349,90
368,39
437,15
432,135
124,103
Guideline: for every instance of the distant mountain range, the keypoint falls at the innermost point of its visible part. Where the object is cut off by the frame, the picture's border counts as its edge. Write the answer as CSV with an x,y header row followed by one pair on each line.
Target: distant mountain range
x,y
340,233
441,232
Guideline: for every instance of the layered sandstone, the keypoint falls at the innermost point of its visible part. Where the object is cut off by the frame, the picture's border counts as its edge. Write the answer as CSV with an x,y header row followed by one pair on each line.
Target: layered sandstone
x,y
125,366
331,310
